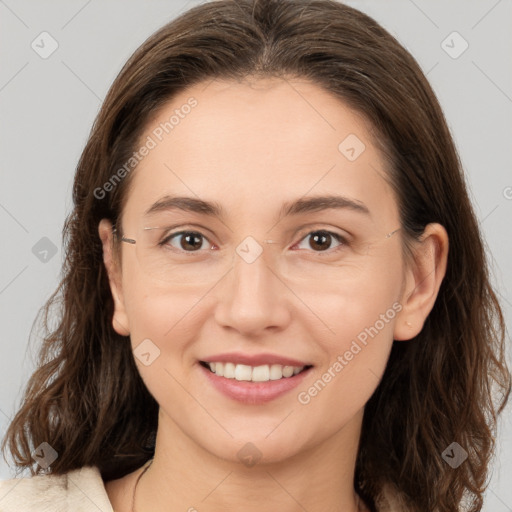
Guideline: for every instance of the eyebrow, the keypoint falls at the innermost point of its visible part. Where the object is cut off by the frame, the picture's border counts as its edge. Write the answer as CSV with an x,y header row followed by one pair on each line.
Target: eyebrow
x,y
302,205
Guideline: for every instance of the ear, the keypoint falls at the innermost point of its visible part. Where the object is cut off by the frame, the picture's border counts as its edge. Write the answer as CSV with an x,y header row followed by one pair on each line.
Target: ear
x,y
422,279
120,319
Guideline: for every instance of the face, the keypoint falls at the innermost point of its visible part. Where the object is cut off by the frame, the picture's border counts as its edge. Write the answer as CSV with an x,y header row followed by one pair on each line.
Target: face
x,y
263,283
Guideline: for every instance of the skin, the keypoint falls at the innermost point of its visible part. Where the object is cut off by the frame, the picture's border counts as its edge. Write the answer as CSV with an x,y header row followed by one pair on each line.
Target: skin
x,y
251,146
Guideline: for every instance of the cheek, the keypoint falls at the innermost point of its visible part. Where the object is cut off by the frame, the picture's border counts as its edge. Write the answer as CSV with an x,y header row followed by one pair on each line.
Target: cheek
x,y
356,349
151,320
359,299
360,331
159,341
360,317
156,310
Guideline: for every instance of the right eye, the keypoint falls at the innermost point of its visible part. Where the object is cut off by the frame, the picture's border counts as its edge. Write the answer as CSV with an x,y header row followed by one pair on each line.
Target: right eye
x,y
189,240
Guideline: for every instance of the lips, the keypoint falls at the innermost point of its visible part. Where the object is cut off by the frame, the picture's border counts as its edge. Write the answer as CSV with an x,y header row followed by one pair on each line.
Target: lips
x,y
253,379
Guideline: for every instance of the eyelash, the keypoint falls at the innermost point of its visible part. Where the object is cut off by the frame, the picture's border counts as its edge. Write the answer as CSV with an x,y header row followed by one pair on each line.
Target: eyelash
x,y
341,239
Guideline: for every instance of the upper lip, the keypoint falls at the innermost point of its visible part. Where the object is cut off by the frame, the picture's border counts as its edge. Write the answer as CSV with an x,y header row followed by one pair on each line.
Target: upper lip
x,y
254,359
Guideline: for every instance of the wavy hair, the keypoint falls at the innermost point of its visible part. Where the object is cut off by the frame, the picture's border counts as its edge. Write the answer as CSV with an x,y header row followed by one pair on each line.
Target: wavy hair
x,y
86,397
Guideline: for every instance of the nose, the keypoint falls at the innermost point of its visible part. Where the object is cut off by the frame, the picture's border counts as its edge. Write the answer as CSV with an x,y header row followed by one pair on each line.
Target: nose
x,y
252,298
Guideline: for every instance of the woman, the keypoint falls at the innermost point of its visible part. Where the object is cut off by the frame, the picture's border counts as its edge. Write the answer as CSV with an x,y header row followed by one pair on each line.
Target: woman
x,y
276,294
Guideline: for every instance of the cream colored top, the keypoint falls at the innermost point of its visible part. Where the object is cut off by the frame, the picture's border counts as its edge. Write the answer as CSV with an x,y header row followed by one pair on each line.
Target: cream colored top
x,y
83,490
80,490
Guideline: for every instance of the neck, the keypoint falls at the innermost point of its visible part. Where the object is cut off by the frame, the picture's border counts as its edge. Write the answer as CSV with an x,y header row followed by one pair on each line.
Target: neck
x,y
184,476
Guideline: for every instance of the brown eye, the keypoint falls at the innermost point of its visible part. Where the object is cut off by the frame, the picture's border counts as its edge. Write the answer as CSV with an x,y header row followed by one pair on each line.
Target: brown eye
x,y
190,241
321,240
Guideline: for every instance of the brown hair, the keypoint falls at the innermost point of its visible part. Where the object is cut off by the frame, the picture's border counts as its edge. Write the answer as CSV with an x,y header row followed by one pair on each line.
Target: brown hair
x,y
87,400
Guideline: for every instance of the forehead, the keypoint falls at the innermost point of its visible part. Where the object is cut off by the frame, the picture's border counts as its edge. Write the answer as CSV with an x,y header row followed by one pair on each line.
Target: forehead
x,y
259,143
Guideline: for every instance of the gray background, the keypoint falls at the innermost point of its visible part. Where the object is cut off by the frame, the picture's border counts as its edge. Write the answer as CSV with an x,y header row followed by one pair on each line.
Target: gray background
x,y
48,106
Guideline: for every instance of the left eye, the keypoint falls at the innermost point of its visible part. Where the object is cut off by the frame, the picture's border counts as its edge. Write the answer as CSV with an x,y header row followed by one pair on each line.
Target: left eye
x,y
321,238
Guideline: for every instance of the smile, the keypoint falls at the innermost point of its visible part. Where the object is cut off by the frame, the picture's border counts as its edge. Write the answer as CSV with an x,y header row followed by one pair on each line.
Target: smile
x,y
262,373
253,385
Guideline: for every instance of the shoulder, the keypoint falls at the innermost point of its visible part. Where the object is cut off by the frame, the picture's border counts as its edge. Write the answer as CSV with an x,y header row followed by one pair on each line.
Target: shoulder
x,y
79,490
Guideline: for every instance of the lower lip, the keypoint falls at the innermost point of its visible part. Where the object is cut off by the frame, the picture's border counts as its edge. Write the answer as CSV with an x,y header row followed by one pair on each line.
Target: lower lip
x,y
254,393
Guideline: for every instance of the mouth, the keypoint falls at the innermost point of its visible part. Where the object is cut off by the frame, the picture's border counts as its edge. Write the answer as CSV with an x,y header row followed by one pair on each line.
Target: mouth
x,y
253,385
254,374
255,378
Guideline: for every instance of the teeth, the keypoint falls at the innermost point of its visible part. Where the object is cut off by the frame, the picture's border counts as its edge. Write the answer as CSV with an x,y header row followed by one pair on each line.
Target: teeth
x,y
287,371
276,372
229,370
243,372
262,373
